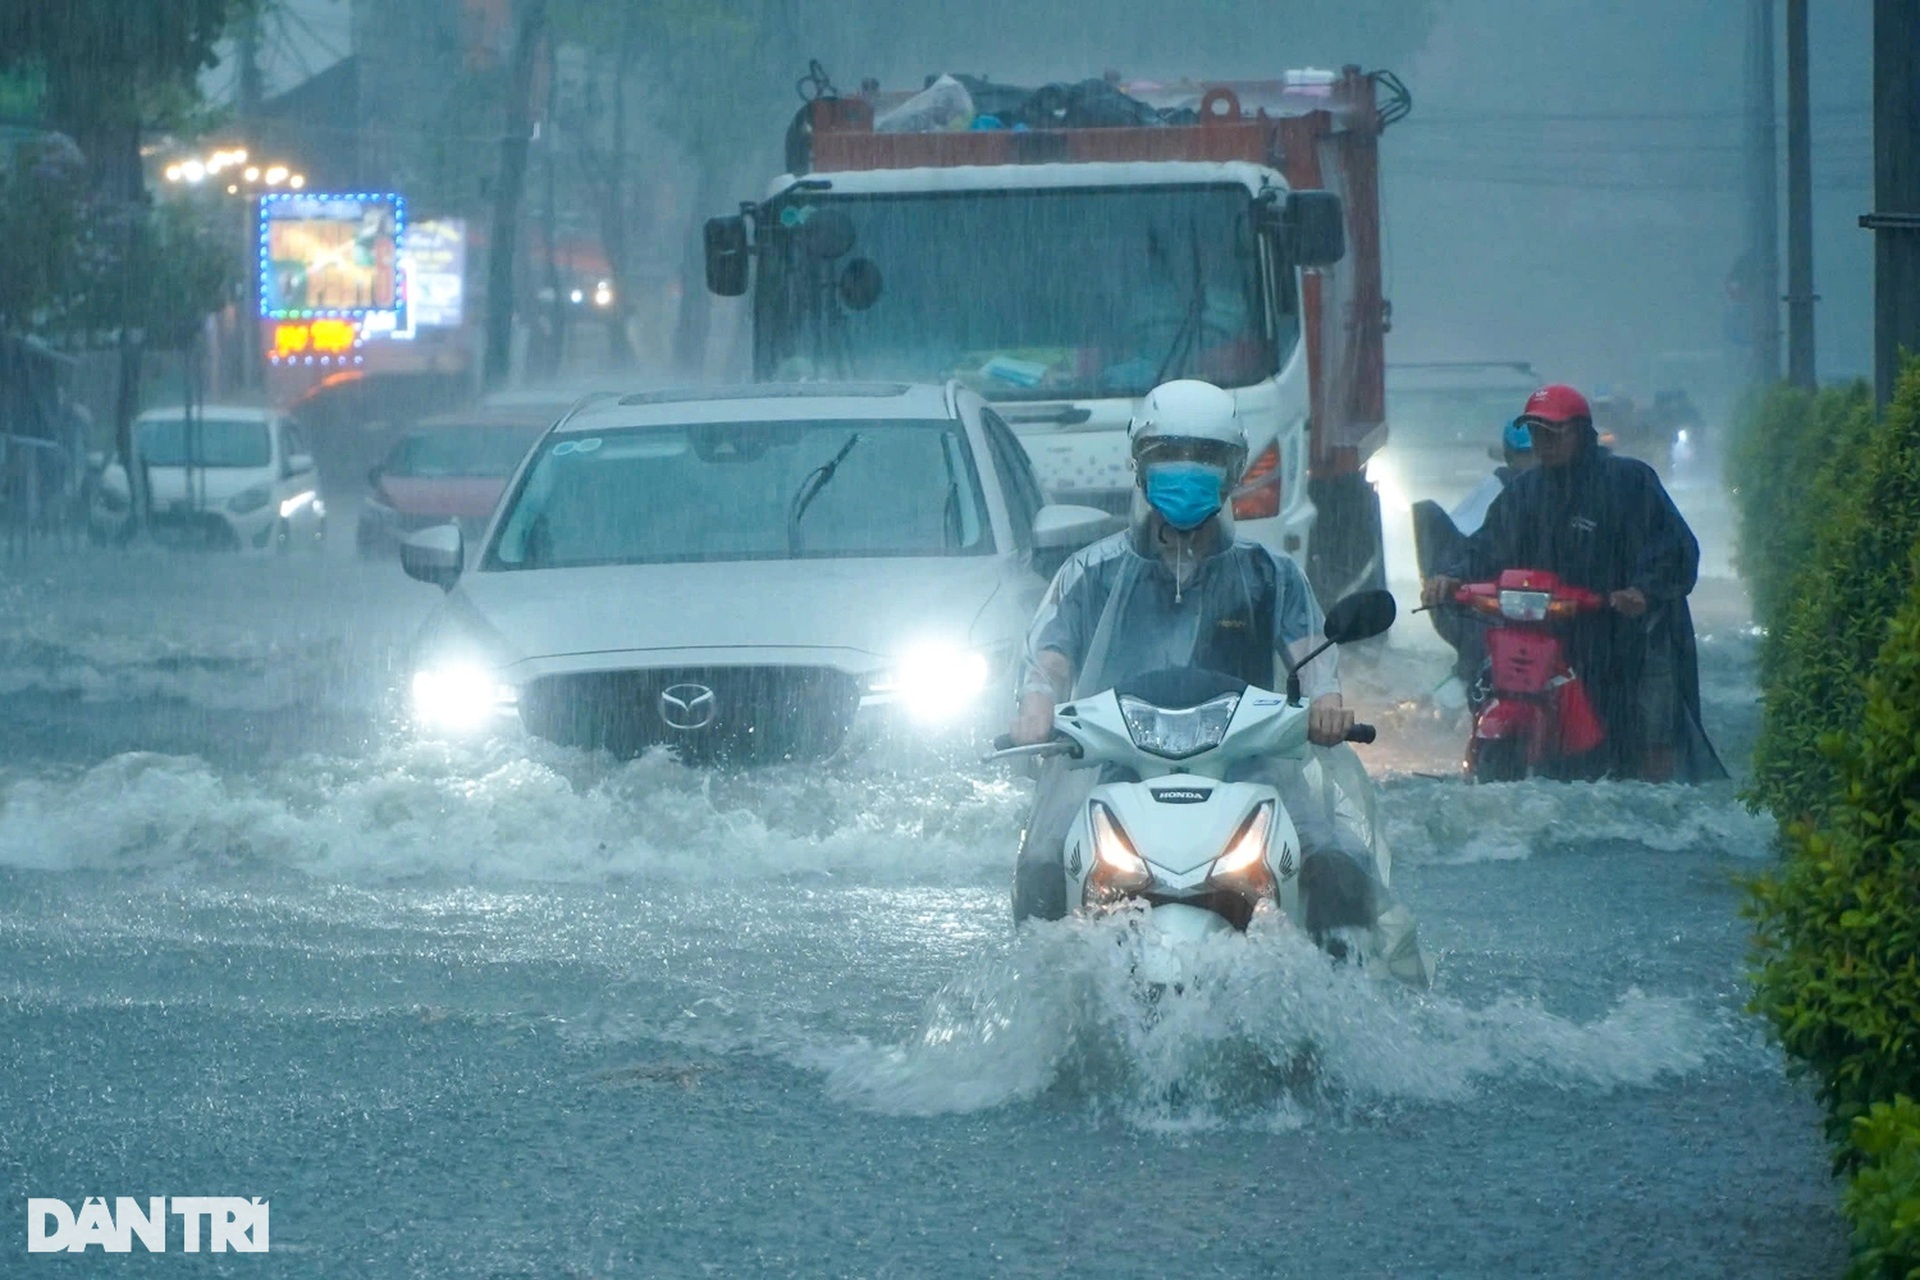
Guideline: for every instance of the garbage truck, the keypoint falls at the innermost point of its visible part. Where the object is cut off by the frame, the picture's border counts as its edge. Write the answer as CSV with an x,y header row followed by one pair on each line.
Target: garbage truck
x,y
1064,249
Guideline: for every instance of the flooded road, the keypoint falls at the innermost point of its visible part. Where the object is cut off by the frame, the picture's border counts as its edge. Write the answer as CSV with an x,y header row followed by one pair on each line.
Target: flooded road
x,y
502,1009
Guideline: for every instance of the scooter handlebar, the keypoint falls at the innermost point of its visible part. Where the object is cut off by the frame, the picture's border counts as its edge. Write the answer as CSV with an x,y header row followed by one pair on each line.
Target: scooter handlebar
x,y
1361,733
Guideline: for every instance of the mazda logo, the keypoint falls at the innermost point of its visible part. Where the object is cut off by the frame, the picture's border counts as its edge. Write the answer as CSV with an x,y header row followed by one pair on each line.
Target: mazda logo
x,y
687,706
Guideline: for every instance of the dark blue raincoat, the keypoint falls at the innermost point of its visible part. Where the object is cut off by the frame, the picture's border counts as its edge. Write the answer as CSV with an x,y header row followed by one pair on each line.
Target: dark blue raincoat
x,y
1607,524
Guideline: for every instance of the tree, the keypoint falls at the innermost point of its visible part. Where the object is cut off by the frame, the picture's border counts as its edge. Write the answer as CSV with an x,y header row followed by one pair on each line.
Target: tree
x,y
111,68
530,30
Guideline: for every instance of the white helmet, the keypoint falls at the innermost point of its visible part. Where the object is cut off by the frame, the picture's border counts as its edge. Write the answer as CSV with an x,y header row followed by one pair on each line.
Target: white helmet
x,y
1189,420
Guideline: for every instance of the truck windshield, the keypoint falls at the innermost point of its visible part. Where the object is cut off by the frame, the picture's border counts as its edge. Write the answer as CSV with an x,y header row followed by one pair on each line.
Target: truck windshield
x,y
1022,294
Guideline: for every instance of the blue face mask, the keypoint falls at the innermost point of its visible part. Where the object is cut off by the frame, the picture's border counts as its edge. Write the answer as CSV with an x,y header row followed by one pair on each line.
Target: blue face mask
x,y
1185,493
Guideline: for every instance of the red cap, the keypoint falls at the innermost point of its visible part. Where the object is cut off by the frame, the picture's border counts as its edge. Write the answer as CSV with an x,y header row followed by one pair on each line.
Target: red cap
x,y
1557,402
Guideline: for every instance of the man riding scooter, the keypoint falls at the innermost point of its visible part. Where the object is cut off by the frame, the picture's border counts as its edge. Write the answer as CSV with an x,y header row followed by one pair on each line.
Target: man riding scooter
x,y
1604,523
1177,590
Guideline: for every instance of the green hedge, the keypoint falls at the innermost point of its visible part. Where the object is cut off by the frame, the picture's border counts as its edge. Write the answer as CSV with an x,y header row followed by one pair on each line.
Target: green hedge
x,y
1783,459
1883,1201
1839,923
1863,513
1838,947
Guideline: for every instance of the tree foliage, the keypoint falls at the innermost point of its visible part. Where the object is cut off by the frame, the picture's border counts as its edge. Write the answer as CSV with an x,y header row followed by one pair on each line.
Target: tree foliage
x,y
43,191
1815,662
1786,467
110,67
1883,1200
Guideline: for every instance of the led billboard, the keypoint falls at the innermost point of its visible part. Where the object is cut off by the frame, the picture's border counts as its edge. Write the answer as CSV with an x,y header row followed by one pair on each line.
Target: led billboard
x,y
331,256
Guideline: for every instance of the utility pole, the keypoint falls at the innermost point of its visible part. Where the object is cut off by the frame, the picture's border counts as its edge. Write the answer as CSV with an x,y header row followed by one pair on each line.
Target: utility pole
x,y
1895,220
1800,295
247,98
1763,198
505,231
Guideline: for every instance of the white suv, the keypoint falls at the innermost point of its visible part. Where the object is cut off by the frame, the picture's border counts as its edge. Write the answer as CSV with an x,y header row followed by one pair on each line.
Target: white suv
x,y
738,572
229,477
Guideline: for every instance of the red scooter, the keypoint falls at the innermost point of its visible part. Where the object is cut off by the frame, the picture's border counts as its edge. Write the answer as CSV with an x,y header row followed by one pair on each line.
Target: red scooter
x,y
1534,715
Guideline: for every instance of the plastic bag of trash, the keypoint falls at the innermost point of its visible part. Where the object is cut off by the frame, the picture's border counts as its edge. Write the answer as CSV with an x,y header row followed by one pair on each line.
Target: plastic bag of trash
x,y
943,105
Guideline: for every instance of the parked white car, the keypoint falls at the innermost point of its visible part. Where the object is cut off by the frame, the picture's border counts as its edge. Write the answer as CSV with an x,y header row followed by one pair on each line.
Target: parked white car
x,y
740,572
229,477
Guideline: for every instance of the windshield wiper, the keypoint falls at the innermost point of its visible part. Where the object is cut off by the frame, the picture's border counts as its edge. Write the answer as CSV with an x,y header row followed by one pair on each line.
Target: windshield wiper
x,y
810,488
1190,322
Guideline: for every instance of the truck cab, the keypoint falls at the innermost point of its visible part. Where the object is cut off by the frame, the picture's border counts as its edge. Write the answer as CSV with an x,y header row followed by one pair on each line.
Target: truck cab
x,y
1064,272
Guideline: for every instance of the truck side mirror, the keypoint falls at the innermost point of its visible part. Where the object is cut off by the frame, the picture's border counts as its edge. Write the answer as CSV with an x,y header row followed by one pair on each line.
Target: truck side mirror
x,y
727,255
1315,227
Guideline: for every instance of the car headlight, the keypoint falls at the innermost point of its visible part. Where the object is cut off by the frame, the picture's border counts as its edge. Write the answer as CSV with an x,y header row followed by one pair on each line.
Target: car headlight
x,y
1175,735
1244,864
459,697
935,683
250,500
299,500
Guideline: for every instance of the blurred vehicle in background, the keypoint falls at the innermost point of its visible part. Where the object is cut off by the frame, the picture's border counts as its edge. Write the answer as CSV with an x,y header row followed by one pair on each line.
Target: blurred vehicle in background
x,y
738,573
451,467
1447,417
222,477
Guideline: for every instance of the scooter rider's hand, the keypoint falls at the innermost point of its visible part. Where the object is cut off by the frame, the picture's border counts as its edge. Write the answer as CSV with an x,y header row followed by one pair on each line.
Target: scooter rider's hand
x,y
1438,590
1328,721
1034,721
1632,602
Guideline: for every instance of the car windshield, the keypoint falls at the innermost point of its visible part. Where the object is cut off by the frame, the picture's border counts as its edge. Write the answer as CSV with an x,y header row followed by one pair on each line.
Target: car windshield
x,y
1021,294
205,442
746,491
444,451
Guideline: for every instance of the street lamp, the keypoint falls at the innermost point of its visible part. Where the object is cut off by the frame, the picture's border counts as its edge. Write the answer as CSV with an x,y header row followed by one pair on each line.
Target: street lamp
x,y
232,162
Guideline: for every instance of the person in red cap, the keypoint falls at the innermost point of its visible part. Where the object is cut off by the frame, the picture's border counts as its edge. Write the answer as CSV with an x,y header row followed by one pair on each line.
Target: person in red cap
x,y
1605,523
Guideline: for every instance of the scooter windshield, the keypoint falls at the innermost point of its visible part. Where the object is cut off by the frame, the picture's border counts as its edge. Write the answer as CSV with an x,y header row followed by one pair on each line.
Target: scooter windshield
x,y
1178,734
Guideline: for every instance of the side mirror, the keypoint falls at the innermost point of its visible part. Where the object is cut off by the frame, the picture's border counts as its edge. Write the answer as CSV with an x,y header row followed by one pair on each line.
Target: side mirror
x,y
434,555
1058,527
373,477
1361,616
728,254
1315,228
299,464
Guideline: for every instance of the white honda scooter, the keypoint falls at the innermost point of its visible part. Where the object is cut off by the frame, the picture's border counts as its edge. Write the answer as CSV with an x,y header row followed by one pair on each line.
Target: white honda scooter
x,y
1171,834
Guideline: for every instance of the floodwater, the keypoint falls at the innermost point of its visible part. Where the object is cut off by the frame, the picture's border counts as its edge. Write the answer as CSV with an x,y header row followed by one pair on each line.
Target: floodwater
x,y
499,1009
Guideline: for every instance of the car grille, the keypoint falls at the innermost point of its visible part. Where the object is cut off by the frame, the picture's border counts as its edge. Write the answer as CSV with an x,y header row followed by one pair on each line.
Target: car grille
x,y
709,713
181,526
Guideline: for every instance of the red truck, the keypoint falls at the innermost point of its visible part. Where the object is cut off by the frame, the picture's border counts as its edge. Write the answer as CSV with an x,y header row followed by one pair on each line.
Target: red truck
x,y
1063,250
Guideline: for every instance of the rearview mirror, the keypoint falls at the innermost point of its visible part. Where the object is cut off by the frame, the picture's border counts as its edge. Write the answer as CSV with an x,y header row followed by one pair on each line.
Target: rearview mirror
x,y
1059,527
1361,616
1315,226
727,255
434,555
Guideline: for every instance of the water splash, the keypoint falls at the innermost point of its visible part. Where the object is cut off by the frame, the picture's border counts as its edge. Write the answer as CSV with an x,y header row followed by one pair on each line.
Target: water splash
x,y
512,812
1269,1035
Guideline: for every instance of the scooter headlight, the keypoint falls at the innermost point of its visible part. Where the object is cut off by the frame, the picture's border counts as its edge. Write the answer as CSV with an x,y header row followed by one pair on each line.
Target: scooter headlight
x,y
1525,606
1175,735
1118,869
1246,855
